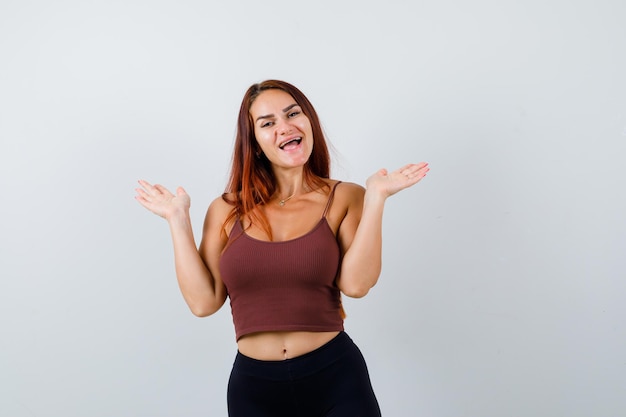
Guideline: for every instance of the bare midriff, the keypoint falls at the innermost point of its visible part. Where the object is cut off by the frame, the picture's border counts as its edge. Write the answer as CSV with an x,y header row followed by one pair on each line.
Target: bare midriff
x,y
276,346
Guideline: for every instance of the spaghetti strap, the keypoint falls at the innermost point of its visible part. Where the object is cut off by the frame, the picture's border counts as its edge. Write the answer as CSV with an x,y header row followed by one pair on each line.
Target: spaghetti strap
x,y
331,196
237,227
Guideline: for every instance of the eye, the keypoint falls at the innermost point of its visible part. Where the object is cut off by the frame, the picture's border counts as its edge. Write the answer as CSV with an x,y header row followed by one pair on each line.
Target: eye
x,y
294,113
266,124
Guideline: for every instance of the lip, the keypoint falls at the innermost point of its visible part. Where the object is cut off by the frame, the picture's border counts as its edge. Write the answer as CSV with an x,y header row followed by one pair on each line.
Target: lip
x,y
290,139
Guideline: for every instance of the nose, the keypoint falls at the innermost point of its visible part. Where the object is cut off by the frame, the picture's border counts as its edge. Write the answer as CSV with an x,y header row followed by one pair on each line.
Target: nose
x,y
284,127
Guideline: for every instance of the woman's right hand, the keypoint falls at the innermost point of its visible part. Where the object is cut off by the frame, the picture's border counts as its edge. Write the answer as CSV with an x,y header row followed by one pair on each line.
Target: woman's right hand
x,y
161,201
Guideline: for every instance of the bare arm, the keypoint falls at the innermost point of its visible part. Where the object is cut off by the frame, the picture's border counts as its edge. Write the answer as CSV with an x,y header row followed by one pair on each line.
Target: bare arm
x,y
360,234
202,289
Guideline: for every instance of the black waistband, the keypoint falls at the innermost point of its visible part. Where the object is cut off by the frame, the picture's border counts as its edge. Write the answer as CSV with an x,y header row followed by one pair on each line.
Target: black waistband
x,y
297,367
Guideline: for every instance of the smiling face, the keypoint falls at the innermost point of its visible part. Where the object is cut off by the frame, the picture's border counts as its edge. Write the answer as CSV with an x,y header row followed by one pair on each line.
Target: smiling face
x,y
282,130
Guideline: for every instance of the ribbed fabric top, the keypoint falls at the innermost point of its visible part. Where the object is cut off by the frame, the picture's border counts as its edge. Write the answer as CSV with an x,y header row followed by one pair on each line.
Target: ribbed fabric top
x,y
283,286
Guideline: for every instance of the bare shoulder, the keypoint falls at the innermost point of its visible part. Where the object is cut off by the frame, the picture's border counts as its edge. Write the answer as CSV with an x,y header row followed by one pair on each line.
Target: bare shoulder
x,y
218,212
347,186
347,204
349,193
220,205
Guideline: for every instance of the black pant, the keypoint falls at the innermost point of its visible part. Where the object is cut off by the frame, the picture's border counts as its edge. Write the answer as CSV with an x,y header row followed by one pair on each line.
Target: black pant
x,y
331,381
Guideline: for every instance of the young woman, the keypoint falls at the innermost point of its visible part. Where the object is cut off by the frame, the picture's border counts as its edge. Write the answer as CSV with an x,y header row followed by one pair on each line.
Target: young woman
x,y
283,242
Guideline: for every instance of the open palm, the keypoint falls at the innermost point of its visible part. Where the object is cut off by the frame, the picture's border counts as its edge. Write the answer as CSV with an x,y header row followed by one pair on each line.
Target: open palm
x,y
160,200
389,183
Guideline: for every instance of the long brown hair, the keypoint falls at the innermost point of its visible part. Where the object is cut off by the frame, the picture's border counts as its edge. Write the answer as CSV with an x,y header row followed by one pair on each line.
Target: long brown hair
x,y
252,182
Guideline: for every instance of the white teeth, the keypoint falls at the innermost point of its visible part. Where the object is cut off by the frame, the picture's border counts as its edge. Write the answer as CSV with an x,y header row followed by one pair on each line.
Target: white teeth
x,y
282,145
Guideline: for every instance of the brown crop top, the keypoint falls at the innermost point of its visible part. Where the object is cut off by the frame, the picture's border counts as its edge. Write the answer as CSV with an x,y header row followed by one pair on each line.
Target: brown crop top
x,y
283,286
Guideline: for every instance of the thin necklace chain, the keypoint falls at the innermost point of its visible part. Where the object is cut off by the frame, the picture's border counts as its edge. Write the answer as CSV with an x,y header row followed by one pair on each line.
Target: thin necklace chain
x,y
283,201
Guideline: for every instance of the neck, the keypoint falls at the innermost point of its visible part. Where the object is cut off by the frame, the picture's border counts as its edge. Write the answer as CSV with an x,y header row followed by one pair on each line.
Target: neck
x,y
289,183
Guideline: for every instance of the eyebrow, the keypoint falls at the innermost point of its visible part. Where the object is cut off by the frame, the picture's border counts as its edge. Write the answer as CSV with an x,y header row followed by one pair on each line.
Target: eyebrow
x,y
285,110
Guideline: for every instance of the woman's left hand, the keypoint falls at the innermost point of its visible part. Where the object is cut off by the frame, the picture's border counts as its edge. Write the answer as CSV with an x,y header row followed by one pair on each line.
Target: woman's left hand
x,y
389,183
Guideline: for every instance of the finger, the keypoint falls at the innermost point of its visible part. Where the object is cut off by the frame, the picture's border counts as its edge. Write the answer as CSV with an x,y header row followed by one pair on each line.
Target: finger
x,y
145,184
149,188
419,170
413,177
161,189
412,170
142,194
141,200
147,200
418,174
413,167
406,170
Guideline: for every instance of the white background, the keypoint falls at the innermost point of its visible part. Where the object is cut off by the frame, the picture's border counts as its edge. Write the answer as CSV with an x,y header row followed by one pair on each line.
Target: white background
x,y
503,291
